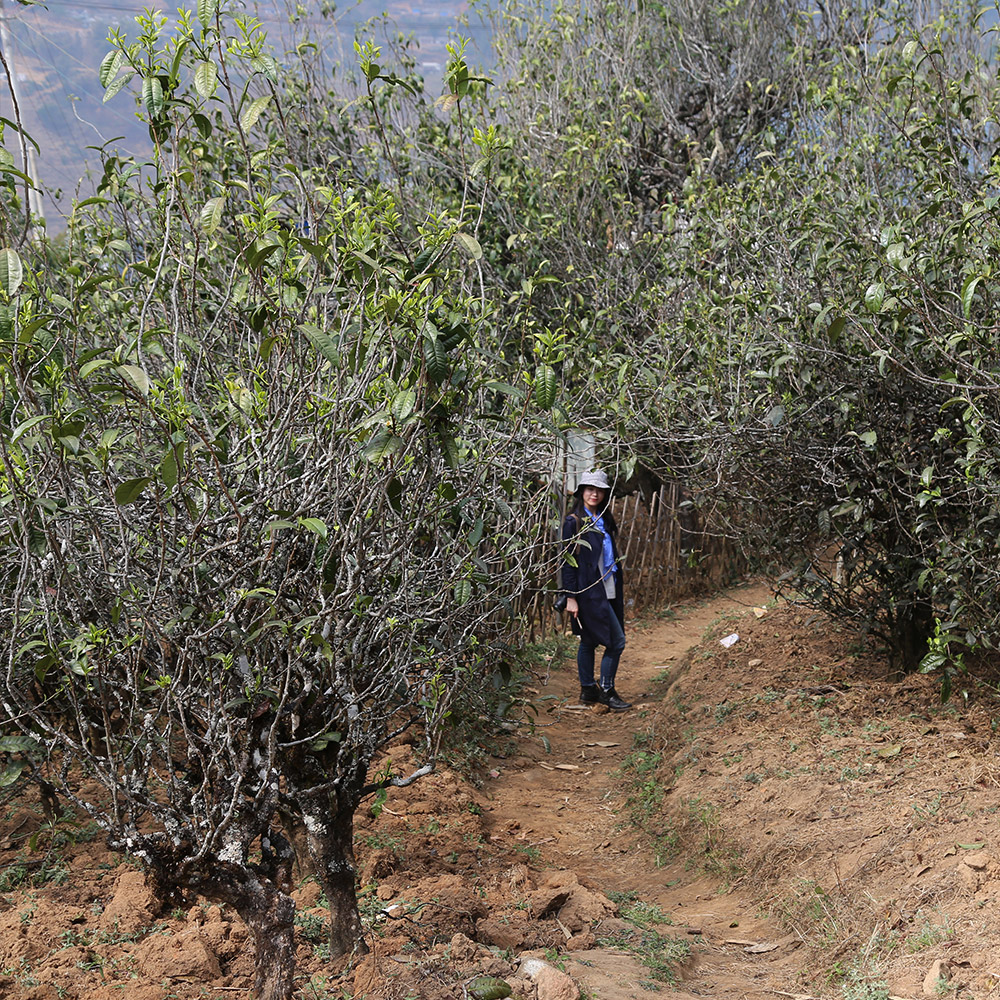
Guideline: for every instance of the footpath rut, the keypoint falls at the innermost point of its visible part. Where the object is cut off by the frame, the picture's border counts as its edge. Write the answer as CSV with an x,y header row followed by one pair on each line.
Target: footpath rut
x,y
560,802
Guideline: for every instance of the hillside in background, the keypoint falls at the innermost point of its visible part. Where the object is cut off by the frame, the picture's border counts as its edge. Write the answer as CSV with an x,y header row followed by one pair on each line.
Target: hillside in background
x,y
57,49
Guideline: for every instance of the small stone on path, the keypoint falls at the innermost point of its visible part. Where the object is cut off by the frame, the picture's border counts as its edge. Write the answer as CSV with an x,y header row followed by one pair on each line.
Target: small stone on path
x,y
932,981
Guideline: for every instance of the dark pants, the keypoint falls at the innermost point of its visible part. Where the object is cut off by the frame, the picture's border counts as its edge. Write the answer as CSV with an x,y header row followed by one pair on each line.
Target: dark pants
x,y
609,662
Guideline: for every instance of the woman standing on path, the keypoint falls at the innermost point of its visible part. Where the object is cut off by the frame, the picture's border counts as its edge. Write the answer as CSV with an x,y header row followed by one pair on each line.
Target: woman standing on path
x,y
592,582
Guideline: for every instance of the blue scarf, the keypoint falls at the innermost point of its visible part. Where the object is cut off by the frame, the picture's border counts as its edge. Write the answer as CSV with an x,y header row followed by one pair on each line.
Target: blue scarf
x,y
608,561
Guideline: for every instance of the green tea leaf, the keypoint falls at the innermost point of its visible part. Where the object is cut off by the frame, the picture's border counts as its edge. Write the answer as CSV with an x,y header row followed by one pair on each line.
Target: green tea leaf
x,y
117,84
94,365
267,65
26,426
253,111
402,404
394,492
874,296
436,359
168,469
382,445
315,525
546,386
322,341
11,271
135,375
207,10
130,491
152,96
969,293
206,79
470,245
488,988
110,65
211,214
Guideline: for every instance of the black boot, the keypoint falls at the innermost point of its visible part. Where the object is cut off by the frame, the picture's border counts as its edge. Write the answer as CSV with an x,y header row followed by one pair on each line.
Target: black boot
x,y
616,702
590,694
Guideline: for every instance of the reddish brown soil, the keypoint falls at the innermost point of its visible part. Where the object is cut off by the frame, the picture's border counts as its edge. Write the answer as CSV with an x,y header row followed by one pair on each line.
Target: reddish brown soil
x,y
807,827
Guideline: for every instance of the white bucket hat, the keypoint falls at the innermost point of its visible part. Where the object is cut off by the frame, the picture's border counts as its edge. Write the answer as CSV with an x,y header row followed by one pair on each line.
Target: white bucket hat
x,y
597,479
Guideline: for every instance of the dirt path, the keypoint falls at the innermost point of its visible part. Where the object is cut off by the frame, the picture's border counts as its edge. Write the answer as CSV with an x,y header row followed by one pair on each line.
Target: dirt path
x,y
567,799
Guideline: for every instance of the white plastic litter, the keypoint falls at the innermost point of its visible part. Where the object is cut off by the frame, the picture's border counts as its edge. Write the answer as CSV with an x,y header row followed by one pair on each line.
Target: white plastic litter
x,y
730,639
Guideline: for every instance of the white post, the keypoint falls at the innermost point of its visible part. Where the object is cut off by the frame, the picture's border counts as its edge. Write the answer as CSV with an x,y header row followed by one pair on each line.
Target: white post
x,y
33,196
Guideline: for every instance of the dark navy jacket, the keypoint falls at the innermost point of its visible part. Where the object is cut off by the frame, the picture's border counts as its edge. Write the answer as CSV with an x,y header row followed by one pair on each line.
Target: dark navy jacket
x,y
583,581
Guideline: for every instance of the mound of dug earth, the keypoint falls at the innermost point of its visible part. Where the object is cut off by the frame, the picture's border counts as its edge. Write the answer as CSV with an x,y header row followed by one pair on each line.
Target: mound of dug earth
x,y
859,811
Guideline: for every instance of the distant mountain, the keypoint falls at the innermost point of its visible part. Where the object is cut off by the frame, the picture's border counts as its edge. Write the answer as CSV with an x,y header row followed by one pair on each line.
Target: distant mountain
x,y
57,50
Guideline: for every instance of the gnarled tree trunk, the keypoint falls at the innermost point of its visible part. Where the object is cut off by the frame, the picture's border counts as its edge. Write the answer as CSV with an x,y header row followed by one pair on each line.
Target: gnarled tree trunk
x,y
259,893
271,919
330,839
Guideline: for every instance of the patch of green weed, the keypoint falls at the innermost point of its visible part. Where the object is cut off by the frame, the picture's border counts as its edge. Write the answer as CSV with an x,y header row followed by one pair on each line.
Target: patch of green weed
x,y
26,873
320,987
644,794
858,986
928,934
723,710
313,927
830,726
853,773
644,791
383,841
644,914
657,952
554,958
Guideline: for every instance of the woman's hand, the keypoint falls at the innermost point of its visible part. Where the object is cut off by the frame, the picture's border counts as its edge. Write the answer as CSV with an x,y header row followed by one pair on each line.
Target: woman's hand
x,y
572,607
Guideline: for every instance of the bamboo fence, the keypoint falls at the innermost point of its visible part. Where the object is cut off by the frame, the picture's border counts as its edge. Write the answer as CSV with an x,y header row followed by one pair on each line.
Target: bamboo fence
x,y
667,552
